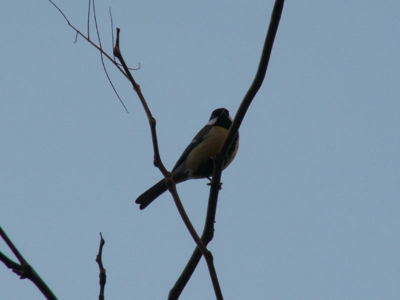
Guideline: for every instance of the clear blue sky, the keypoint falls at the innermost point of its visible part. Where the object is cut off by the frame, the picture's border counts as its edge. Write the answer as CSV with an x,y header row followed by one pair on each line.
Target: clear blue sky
x,y
310,206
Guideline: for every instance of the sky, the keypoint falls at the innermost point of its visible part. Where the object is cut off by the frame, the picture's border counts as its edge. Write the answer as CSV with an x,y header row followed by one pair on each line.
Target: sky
x,y
309,207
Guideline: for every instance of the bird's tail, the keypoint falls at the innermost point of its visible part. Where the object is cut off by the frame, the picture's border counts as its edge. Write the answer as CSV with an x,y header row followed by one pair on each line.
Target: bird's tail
x,y
151,194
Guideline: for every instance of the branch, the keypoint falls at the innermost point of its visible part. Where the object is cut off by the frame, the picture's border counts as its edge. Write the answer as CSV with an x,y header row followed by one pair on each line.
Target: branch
x,y
152,122
168,177
208,231
102,274
24,270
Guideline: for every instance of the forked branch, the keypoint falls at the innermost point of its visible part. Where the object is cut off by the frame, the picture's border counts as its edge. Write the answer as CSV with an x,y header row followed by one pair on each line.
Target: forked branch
x,y
23,269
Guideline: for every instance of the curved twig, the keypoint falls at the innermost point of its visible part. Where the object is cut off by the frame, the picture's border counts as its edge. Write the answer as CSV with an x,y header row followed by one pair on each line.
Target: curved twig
x,y
101,57
94,45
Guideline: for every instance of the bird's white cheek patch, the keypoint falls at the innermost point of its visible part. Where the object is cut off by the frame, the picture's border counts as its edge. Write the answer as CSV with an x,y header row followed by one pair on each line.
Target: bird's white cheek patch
x,y
212,121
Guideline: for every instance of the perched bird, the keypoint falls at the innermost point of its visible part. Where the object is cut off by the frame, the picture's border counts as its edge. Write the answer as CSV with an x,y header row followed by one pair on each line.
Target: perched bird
x,y
197,161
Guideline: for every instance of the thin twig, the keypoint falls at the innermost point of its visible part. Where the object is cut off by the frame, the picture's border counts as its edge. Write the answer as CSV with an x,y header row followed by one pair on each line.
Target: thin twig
x,y
102,275
152,122
208,231
94,45
88,21
112,40
101,57
112,30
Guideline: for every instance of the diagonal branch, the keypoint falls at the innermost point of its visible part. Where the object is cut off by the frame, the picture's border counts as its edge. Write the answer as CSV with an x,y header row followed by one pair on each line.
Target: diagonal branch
x,y
208,231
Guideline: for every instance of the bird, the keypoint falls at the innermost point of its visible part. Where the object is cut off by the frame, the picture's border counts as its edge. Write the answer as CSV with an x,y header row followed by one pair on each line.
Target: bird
x,y
197,161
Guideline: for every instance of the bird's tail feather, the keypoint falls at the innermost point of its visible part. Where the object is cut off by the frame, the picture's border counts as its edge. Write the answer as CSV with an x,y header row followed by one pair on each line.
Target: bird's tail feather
x,y
151,194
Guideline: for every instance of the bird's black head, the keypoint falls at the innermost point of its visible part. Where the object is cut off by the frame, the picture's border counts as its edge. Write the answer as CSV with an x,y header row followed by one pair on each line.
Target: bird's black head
x,y
219,112
220,117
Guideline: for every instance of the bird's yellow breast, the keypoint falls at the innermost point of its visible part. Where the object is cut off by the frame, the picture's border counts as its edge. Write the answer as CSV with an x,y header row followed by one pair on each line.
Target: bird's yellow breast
x,y
201,155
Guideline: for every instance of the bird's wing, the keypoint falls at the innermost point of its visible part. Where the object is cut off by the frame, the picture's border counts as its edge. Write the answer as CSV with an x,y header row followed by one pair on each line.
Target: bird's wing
x,y
200,136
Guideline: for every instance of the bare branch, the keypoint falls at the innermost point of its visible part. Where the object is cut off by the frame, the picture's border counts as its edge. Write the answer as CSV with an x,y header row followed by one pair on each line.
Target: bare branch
x,y
102,275
168,178
152,122
24,270
208,231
